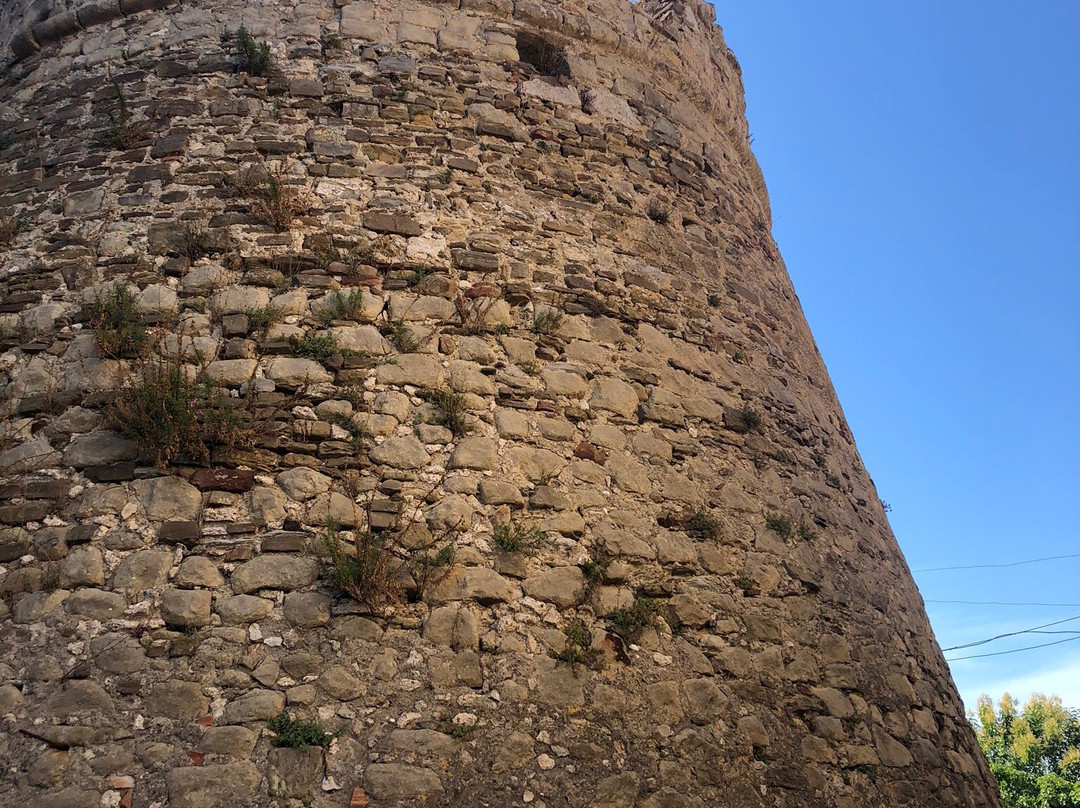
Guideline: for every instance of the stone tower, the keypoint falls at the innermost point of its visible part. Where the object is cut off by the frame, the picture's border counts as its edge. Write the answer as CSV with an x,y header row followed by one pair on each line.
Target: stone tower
x,y
426,372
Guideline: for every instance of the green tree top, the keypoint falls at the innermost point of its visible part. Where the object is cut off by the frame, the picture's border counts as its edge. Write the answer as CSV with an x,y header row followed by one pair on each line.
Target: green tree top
x,y
1034,752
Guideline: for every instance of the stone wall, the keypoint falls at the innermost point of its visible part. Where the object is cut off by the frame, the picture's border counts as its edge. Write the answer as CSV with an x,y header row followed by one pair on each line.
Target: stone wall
x,y
513,332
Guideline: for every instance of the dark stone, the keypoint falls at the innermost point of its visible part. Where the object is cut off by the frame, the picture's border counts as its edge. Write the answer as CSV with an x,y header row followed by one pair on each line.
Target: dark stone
x,y
387,223
27,512
135,6
472,261
80,534
234,480
397,63
306,88
23,45
97,13
169,146
463,164
114,473
278,146
187,533
56,27
37,489
281,541
499,130
235,325
13,546
171,69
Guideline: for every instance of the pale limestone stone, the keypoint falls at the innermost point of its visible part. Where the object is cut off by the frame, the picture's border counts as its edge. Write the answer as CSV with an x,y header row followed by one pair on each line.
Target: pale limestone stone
x,y
475,453
402,453
232,372
168,499
274,572
302,483
294,373
186,608
614,395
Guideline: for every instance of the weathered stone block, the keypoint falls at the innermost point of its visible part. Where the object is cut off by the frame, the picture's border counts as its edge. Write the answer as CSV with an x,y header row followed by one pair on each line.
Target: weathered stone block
x,y
274,572
186,609
216,786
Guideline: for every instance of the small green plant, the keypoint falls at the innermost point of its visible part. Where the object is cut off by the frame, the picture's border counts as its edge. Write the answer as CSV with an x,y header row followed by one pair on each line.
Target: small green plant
x,y
740,357
629,620
351,258
356,432
781,456
715,300
402,338
338,306
780,524
319,347
868,771
806,530
123,132
262,318
578,649
743,420
547,321
295,733
473,312
745,583
658,211
461,731
274,200
516,537
595,570
704,526
251,57
173,414
196,241
445,176
751,418
114,316
354,394
363,571
451,409
331,41
444,556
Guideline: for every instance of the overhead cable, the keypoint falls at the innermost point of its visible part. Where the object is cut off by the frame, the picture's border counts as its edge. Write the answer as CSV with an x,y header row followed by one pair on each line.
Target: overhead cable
x,y
1013,651
1032,630
998,566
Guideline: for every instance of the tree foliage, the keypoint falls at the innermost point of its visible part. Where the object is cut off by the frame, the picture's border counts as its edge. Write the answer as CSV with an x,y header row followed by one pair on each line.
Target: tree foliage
x,y
1034,752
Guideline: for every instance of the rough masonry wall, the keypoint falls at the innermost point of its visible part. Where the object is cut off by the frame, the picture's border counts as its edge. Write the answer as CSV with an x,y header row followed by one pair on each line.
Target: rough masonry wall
x,y
466,301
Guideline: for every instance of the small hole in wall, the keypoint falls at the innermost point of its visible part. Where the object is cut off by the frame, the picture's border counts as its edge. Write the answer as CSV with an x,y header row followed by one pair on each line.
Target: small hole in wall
x,y
547,58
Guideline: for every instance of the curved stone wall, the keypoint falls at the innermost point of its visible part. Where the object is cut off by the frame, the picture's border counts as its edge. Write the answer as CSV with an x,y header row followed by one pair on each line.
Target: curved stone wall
x,y
480,293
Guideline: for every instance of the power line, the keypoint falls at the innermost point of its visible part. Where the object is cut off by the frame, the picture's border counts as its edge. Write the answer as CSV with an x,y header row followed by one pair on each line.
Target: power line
x,y
1032,630
999,566
1004,603
1015,650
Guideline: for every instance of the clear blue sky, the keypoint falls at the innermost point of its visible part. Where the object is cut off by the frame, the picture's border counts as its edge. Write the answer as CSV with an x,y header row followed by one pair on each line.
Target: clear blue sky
x,y
923,160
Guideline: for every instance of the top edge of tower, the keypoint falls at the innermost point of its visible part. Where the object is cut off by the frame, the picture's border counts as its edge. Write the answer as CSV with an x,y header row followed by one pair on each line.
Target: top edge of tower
x,y
28,26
